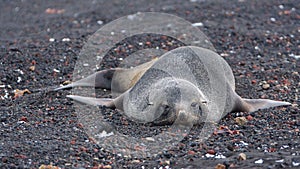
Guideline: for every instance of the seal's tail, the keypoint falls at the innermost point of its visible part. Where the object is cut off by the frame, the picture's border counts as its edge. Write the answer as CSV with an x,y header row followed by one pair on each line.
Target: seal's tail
x,y
257,104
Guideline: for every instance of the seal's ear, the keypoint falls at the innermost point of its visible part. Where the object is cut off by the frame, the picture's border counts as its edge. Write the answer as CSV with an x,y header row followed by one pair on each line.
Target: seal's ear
x,y
251,105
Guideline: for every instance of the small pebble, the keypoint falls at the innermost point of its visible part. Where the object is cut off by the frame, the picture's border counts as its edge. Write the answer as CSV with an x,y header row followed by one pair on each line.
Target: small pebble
x,y
99,22
135,161
266,86
242,156
240,120
220,166
32,68
56,70
273,19
165,162
279,161
209,155
281,6
66,39
197,24
260,161
295,164
150,139
19,80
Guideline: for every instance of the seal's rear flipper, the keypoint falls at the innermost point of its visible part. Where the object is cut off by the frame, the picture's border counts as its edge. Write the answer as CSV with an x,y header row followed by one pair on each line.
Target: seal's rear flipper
x,y
256,104
100,79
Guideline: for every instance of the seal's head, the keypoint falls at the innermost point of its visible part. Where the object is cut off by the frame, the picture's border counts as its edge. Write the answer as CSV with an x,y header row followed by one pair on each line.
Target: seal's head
x,y
177,101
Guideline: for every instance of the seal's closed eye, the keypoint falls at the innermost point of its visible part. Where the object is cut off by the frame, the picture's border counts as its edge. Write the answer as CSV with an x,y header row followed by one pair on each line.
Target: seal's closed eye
x,y
165,109
197,108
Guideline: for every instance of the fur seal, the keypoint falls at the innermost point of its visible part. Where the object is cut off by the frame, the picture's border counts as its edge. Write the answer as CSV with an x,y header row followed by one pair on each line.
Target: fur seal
x,y
185,85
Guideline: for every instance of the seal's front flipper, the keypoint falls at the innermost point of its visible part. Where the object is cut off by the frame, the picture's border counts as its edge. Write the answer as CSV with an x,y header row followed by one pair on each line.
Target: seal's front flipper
x,y
93,101
101,79
107,102
252,105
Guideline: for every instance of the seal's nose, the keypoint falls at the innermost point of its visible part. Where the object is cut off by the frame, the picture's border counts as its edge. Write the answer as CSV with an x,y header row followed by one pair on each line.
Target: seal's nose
x,y
185,117
182,115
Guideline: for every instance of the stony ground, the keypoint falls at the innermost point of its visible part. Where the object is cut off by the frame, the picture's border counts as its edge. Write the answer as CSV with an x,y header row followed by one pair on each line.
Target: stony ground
x,y
40,42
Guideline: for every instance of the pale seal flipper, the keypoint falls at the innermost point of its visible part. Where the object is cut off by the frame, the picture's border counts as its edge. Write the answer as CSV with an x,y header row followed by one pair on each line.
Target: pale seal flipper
x,y
251,105
107,102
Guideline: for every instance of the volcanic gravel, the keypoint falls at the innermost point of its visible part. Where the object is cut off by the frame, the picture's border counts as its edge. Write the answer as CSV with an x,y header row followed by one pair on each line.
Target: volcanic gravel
x,y
39,45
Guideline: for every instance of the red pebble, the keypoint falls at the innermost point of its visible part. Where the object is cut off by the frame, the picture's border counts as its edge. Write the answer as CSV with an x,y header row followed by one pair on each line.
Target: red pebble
x,y
249,117
211,152
23,118
191,152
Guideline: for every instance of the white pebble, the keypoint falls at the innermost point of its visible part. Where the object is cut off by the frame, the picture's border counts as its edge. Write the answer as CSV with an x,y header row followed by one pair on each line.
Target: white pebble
x,y
244,143
279,161
224,54
98,57
295,164
294,56
273,19
56,70
104,134
220,156
51,40
197,24
85,64
19,80
281,6
260,161
66,39
20,71
6,94
150,139
209,155
284,147
99,22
